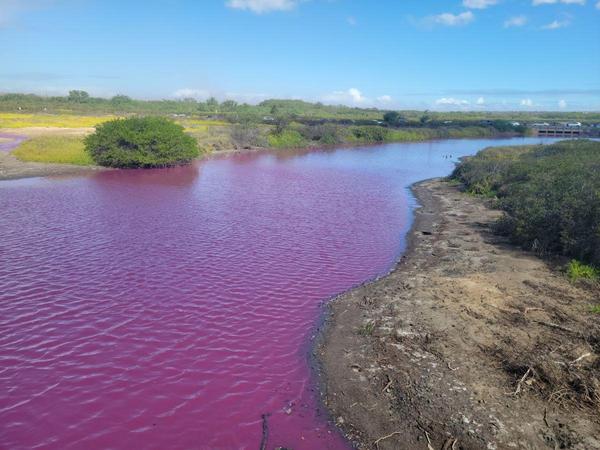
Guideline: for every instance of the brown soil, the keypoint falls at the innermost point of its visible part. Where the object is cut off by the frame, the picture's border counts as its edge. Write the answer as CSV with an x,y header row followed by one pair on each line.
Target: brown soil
x,y
468,343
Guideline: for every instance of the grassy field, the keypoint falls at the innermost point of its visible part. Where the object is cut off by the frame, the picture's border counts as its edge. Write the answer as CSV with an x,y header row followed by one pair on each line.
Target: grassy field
x,y
18,120
54,149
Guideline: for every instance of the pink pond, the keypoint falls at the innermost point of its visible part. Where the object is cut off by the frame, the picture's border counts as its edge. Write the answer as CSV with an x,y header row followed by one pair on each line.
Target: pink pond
x,y
172,309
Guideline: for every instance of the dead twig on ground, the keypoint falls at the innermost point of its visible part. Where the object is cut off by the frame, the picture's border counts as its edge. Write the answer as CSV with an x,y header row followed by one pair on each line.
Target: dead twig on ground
x,y
575,361
429,447
521,381
556,326
451,368
387,386
450,444
376,443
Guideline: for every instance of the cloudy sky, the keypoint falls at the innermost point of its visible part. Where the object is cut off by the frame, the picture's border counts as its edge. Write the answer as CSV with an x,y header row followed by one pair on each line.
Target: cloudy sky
x,y
422,54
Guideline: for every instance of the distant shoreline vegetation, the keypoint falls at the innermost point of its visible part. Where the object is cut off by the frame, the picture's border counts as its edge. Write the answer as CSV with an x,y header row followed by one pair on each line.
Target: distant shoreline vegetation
x,y
273,123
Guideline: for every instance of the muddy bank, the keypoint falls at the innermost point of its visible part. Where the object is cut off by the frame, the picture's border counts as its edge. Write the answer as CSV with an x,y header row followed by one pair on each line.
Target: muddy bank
x,y
469,343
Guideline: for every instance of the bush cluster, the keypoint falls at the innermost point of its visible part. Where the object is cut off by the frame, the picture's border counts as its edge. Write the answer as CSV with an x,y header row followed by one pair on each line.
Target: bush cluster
x,y
550,193
141,143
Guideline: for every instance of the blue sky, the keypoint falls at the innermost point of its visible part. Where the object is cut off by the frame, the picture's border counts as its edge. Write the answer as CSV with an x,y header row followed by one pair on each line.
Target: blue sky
x,y
458,54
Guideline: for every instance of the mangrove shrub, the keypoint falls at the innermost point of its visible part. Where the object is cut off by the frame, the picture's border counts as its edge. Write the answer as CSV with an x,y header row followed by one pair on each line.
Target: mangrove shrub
x,y
141,142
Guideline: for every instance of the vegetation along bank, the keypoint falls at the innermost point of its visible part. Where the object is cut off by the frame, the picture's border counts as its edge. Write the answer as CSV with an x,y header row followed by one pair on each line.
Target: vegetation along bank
x,y
229,125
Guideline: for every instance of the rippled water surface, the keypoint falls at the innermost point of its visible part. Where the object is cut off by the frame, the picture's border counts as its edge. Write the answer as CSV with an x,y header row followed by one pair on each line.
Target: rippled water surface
x,y
174,308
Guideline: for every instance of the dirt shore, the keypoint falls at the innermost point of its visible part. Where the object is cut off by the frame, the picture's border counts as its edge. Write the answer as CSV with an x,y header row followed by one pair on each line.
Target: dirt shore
x,y
468,343
12,168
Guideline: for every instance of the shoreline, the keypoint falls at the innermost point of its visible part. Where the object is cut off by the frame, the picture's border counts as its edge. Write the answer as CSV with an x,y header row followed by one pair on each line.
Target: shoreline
x,y
436,349
12,168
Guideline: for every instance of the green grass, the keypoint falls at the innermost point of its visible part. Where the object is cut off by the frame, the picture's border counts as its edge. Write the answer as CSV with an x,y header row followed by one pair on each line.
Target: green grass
x,y
367,329
54,149
595,309
577,271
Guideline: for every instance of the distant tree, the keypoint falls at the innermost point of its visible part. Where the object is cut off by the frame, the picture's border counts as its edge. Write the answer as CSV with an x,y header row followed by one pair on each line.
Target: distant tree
x,y
78,96
425,118
212,104
282,121
120,99
141,142
229,105
393,118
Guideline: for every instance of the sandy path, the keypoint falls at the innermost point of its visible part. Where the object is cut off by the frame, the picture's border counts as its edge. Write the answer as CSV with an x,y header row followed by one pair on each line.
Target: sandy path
x,y
455,327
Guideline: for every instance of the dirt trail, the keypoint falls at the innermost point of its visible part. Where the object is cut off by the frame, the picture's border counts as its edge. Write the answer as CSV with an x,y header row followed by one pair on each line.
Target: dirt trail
x,y
469,343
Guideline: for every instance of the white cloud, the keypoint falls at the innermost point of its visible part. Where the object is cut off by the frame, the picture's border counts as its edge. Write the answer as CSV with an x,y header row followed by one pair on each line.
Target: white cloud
x,y
552,2
384,99
262,6
555,25
479,4
449,101
352,96
516,21
562,104
527,102
450,20
481,101
198,94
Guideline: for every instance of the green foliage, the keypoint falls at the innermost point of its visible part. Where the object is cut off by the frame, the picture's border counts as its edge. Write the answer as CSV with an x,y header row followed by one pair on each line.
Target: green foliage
x,y
393,118
78,96
595,309
370,134
551,195
324,134
288,138
577,271
141,142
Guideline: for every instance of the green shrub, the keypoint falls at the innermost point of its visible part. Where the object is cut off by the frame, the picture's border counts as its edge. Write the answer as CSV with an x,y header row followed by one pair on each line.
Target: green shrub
x,y
595,309
288,138
550,193
577,270
141,142
370,134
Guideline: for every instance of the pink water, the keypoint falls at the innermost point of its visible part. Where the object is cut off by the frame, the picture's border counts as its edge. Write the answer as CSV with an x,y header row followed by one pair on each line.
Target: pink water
x,y
171,309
